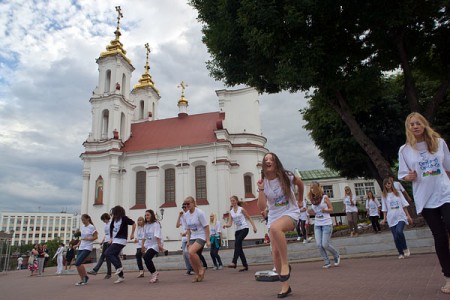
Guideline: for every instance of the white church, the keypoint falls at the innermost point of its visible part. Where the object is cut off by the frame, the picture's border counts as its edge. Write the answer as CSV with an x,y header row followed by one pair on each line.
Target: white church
x,y
140,162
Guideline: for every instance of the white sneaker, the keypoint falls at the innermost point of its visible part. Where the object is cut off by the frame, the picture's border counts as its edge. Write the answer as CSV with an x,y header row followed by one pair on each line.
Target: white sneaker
x,y
407,252
401,256
80,283
299,238
305,241
118,271
310,238
220,267
337,261
119,280
154,277
326,266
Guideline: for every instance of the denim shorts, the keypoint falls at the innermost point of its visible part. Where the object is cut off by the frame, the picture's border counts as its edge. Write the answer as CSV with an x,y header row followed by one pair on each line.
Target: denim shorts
x,y
82,255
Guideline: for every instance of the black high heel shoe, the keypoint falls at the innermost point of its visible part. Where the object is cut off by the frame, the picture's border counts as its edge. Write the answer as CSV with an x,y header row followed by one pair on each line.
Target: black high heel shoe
x,y
243,269
284,278
284,295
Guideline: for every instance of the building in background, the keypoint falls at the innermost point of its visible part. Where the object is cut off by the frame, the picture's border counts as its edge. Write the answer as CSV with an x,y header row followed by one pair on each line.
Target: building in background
x,y
333,185
32,228
136,160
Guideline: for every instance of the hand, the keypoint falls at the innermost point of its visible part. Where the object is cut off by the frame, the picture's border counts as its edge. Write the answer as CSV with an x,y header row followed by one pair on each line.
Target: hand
x,y
132,237
208,244
254,229
181,213
410,221
412,175
260,184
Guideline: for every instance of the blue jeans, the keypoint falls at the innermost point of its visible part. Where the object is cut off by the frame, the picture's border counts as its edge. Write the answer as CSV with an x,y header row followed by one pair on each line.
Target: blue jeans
x,y
81,256
112,253
399,237
186,257
322,234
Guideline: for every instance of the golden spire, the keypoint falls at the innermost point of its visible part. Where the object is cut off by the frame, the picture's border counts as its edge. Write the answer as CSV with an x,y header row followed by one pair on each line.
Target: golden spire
x,y
182,100
146,79
115,46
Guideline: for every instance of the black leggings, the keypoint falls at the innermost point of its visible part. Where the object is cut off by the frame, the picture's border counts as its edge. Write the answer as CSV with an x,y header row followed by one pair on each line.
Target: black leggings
x,y
438,219
375,224
148,259
301,228
239,237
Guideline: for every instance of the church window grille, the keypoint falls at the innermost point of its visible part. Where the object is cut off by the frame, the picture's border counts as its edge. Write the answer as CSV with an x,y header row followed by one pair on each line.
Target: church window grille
x,y
169,187
200,183
248,187
141,177
108,81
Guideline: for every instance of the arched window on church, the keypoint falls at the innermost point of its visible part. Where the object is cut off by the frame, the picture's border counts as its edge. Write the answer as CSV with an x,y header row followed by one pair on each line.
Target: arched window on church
x,y
141,109
200,184
248,186
122,126
141,180
98,191
105,124
108,81
169,185
124,81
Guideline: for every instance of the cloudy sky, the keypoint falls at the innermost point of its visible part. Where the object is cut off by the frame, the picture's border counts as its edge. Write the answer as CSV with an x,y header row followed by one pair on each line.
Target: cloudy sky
x,y
48,72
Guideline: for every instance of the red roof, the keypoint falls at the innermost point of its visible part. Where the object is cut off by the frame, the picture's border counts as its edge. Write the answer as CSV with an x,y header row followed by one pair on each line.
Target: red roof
x,y
252,208
174,132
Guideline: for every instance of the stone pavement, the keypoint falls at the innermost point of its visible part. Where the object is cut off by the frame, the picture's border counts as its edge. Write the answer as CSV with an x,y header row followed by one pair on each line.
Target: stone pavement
x,y
358,277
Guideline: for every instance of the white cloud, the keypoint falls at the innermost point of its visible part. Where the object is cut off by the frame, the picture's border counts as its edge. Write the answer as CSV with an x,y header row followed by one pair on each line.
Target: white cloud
x,y
47,59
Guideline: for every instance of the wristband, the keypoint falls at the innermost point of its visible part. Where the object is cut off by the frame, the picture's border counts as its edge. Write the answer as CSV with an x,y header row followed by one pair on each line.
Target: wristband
x,y
260,190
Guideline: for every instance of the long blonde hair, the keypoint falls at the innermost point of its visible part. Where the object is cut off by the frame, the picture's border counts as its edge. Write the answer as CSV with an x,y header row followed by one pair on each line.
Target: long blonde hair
x,y
430,136
315,193
214,220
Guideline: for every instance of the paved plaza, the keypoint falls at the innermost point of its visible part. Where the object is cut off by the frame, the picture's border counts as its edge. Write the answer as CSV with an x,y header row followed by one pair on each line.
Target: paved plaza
x,y
384,277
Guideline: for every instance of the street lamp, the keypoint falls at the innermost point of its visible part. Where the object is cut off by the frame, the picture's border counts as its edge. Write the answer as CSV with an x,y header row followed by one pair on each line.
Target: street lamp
x,y
162,214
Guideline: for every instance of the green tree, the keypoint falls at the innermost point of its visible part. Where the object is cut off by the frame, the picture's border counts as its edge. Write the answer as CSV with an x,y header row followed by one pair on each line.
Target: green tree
x,y
342,49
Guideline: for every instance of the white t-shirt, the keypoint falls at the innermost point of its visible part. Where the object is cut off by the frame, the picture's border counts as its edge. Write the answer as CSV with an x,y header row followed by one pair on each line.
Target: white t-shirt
x,y
372,206
151,231
321,218
304,214
139,236
87,232
277,202
215,230
238,217
431,188
393,205
398,186
348,207
115,231
196,223
107,232
184,227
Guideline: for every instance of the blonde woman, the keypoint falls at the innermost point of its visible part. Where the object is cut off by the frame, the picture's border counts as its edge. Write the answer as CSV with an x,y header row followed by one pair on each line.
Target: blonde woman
x,y
276,192
198,236
425,161
351,211
239,216
215,238
321,207
394,207
138,240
